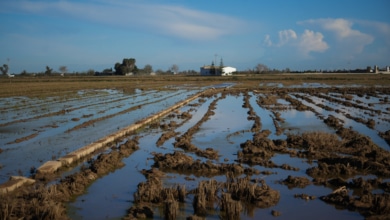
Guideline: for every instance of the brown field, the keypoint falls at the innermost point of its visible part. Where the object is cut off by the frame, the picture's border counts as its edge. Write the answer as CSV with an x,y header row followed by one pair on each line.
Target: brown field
x,y
47,86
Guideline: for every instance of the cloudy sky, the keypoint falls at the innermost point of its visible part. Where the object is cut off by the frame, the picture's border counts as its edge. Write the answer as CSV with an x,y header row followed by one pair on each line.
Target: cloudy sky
x,y
94,34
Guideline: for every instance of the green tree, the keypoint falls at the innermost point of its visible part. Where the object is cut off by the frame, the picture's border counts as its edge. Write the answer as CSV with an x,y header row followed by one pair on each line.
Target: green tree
x,y
107,70
127,66
117,67
4,69
48,71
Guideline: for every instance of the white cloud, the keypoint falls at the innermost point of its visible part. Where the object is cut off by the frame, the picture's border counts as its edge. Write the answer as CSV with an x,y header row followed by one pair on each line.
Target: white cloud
x,y
311,41
169,20
341,27
191,24
351,39
285,36
267,40
383,29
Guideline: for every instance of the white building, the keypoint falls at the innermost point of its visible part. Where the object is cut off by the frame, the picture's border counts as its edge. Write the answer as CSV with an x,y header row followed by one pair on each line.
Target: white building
x,y
217,71
228,71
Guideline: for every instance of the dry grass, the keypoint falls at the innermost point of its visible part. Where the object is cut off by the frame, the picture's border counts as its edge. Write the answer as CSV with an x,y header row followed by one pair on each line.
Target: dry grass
x,y
58,86
44,203
320,140
230,208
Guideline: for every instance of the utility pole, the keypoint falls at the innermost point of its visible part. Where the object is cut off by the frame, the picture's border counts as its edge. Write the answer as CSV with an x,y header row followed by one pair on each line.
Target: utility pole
x,y
7,64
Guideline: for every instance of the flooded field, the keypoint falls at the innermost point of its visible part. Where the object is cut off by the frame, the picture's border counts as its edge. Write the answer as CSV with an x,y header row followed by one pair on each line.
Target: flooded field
x,y
36,130
304,151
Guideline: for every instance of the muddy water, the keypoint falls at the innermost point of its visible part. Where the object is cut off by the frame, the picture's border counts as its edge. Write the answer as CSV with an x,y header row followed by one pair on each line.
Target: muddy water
x,y
112,195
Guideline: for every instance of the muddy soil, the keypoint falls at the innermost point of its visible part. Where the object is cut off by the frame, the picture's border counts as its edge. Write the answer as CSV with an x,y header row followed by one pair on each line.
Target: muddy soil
x,y
344,160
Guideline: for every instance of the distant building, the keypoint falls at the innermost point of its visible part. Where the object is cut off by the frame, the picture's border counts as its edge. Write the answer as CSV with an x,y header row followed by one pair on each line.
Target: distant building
x,y
212,70
385,70
376,69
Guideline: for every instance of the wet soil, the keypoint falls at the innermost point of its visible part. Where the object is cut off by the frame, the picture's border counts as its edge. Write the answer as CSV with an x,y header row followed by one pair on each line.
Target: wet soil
x,y
339,164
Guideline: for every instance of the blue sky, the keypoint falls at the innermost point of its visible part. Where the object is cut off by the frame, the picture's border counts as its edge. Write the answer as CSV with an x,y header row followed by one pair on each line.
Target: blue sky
x,y
95,34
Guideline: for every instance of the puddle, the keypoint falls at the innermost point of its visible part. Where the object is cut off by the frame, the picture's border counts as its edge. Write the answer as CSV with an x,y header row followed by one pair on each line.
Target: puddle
x,y
307,121
226,121
310,85
277,85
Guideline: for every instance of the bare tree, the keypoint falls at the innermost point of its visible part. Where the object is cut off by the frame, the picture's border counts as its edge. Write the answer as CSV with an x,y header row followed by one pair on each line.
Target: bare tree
x,y
90,72
174,68
63,70
148,69
261,68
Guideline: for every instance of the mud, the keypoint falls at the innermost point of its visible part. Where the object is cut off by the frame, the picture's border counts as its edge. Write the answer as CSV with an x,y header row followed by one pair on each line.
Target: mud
x,y
304,196
300,182
31,136
182,163
373,206
385,135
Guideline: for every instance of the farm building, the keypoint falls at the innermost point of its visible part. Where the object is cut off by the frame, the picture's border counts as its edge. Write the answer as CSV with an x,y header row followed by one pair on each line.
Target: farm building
x,y
217,71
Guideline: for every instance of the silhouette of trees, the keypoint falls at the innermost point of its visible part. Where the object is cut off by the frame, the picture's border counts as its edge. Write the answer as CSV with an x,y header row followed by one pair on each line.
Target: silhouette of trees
x,y
48,71
127,66
4,69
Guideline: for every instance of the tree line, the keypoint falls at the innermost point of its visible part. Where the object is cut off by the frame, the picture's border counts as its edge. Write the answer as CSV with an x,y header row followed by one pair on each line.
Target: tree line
x,y
128,67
